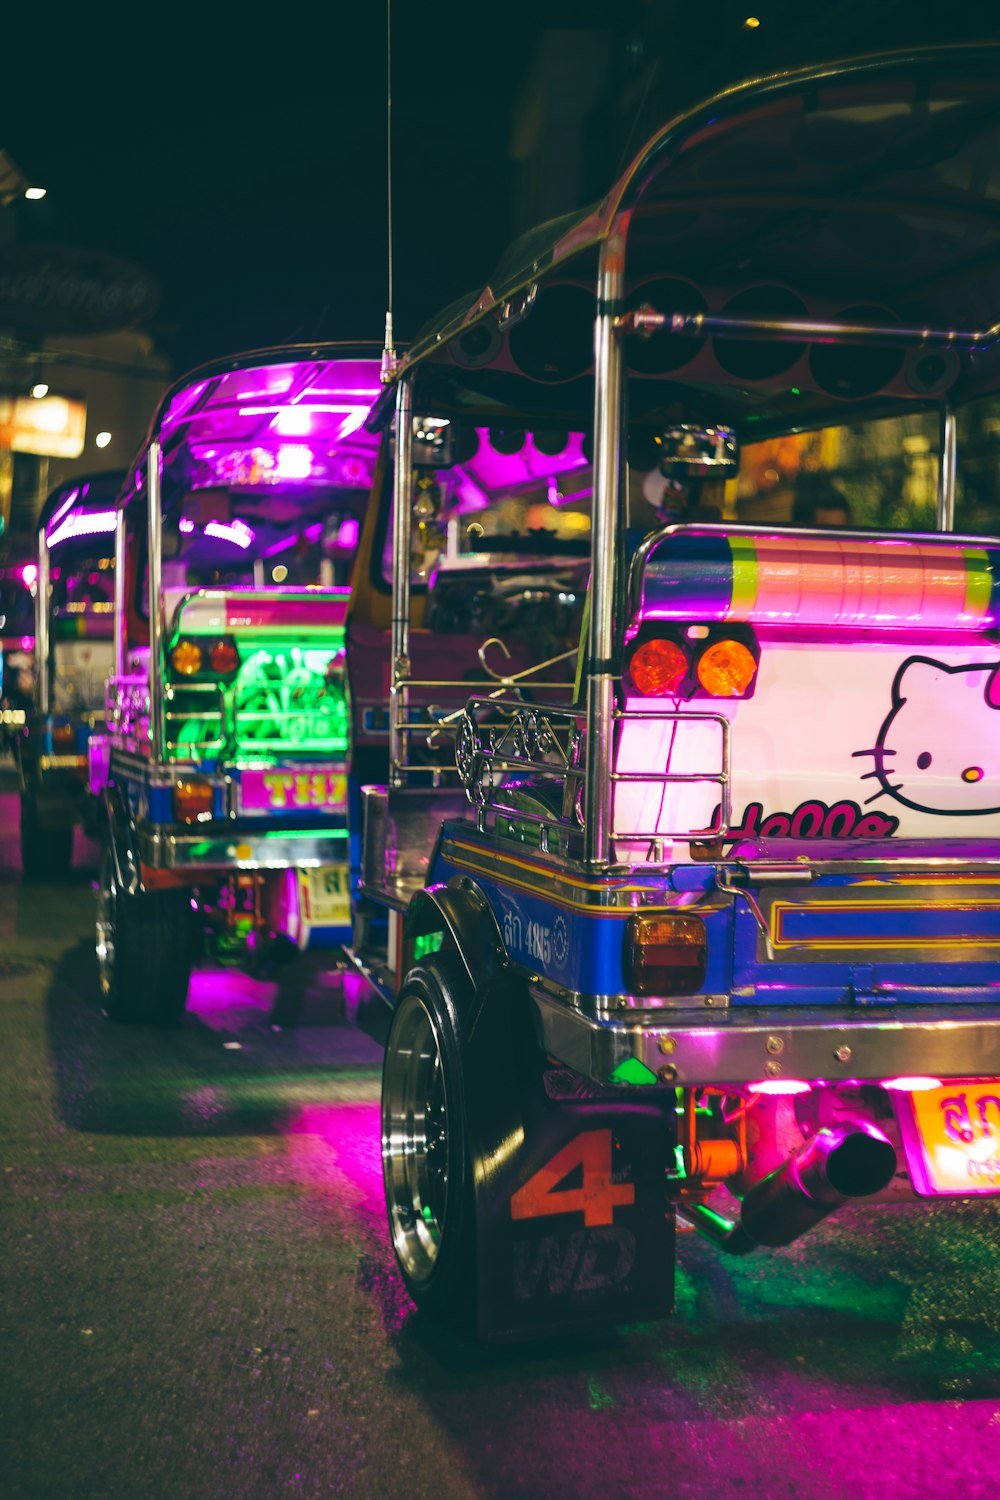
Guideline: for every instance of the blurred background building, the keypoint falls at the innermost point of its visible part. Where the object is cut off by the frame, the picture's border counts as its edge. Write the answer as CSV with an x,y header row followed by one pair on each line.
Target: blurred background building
x,y
80,374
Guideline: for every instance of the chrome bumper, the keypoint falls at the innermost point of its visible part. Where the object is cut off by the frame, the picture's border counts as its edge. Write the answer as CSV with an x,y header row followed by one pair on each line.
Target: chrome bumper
x,y
944,1041
168,849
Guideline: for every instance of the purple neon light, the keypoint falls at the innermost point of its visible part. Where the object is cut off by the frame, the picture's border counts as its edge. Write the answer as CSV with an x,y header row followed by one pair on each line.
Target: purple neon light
x,y
349,533
184,524
293,421
782,1087
29,575
83,524
238,532
294,461
74,494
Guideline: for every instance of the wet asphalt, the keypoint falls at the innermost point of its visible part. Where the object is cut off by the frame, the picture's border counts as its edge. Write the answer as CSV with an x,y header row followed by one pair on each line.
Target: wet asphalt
x,y
198,1300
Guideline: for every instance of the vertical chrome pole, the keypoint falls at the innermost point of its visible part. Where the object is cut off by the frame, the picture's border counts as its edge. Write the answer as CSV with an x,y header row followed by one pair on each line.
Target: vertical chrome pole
x,y
120,591
399,697
947,468
604,541
155,521
42,625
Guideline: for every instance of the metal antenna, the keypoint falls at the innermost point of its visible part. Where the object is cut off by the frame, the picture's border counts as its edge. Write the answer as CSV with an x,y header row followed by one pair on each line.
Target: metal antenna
x,y
389,360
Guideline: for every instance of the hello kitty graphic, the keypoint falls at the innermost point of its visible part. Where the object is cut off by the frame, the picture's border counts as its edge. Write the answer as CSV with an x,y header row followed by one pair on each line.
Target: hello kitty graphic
x,y
938,750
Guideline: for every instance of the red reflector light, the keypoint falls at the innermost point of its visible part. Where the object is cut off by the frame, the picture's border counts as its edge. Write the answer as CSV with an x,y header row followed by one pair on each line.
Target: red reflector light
x,y
658,667
63,737
666,954
726,669
194,800
224,657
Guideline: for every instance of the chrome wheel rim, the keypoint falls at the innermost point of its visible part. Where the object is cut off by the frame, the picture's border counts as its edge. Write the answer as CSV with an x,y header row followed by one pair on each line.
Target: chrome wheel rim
x,y
415,1140
107,900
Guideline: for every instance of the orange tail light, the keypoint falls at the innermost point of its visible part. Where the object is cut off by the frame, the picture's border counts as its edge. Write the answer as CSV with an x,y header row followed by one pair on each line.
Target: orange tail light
x,y
726,669
658,667
666,954
194,800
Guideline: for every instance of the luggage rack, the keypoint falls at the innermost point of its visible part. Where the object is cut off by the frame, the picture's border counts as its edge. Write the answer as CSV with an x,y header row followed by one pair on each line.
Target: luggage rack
x,y
545,742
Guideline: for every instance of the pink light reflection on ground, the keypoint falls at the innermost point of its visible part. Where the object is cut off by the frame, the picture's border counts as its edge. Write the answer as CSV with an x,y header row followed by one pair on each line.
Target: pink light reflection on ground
x,y
229,999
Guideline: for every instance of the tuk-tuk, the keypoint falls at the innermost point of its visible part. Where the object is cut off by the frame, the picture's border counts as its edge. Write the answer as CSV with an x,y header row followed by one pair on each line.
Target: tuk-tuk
x,y
715,932
60,677
17,646
223,772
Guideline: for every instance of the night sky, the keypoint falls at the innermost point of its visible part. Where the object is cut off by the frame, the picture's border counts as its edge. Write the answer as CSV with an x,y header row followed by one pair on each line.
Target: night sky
x,y
241,160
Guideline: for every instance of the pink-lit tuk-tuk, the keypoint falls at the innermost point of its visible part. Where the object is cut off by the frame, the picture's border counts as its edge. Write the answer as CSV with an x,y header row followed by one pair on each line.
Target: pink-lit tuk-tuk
x,y
223,769
715,932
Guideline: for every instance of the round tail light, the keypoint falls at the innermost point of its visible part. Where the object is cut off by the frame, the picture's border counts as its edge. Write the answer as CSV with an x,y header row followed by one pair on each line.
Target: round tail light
x,y
224,657
726,669
657,668
186,658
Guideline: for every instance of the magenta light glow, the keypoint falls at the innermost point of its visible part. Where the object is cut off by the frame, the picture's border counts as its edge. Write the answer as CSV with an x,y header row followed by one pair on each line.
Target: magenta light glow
x,y
780,1086
348,533
74,494
185,525
294,461
237,532
293,421
83,524
916,1083
29,575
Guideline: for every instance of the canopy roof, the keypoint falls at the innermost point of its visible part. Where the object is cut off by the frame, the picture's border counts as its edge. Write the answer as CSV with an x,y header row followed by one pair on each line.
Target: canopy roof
x,y
82,512
281,416
870,183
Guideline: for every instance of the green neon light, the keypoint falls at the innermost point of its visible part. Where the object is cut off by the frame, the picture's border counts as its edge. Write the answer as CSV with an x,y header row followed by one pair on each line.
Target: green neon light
x,y
430,942
633,1071
286,696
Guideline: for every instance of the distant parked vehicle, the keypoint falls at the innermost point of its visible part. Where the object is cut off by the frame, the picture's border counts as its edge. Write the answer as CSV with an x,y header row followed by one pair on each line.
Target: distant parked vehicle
x,y
58,675
222,772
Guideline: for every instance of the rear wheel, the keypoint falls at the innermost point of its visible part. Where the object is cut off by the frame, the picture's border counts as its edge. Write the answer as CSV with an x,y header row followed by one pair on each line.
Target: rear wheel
x,y
144,950
46,853
425,1149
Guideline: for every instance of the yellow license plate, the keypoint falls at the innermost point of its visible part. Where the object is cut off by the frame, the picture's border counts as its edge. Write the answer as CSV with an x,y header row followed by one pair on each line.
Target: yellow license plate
x,y
954,1145
326,896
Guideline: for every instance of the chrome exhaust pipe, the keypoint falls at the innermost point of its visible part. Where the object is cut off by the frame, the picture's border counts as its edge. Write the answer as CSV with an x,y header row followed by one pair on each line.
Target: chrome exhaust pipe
x,y
851,1161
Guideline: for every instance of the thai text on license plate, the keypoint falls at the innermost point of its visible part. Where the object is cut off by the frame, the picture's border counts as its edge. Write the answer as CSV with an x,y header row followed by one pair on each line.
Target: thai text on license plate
x,y
953,1138
326,896
300,789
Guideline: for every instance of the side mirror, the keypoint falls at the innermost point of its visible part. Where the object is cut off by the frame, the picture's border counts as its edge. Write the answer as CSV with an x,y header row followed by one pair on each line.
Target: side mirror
x,y
688,450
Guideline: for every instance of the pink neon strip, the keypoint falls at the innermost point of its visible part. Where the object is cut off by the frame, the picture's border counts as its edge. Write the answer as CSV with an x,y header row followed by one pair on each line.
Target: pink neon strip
x,y
282,614
845,582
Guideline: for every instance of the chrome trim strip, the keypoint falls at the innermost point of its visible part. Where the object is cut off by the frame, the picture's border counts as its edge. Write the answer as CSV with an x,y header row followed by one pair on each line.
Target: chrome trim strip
x,y
167,849
741,1046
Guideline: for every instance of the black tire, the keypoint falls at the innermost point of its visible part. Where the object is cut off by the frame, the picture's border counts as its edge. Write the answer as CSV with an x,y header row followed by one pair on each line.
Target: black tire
x,y
144,951
46,853
425,1148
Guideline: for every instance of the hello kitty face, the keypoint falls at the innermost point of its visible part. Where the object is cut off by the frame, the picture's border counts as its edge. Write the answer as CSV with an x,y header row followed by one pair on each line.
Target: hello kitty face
x,y
938,750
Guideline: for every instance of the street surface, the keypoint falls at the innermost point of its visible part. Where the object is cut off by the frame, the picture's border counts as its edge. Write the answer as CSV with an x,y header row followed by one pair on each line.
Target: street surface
x,y
198,1298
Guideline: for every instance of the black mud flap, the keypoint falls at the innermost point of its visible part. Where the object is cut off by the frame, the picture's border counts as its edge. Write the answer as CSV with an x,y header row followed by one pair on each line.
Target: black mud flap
x,y
574,1228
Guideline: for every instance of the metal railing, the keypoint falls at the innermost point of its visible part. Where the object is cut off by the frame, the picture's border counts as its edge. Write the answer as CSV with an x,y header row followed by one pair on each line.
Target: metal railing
x,y
546,744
